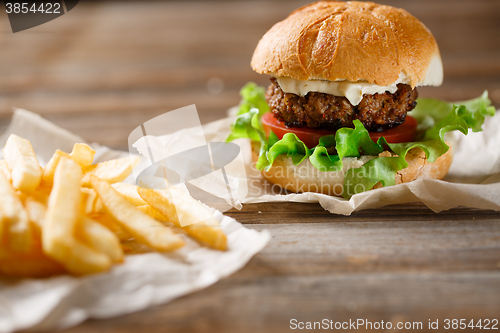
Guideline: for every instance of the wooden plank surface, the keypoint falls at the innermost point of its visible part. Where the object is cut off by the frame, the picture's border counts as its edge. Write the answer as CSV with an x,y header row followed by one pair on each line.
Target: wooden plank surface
x,y
106,67
376,265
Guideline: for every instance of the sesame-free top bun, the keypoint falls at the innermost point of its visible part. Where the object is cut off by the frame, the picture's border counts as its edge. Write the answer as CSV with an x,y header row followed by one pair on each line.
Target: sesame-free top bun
x,y
351,41
306,178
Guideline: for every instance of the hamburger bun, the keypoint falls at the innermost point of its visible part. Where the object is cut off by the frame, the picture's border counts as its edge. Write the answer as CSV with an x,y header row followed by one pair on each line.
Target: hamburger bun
x,y
350,41
306,178
356,44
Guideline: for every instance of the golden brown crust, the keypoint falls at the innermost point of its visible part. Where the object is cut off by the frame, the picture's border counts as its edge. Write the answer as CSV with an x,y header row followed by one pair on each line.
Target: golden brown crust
x,y
353,41
286,175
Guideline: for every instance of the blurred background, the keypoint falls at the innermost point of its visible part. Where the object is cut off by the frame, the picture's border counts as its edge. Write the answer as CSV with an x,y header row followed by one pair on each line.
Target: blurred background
x,y
107,66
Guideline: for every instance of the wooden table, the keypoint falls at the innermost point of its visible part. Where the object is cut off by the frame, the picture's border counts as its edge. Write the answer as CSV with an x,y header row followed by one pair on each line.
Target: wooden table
x,y
106,67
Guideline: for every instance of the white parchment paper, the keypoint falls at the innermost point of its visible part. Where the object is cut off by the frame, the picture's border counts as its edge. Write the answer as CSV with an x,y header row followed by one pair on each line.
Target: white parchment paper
x,y
141,281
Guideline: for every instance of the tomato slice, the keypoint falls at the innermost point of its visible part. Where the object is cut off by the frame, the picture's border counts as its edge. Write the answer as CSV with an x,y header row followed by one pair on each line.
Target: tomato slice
x,y
310,136
403,133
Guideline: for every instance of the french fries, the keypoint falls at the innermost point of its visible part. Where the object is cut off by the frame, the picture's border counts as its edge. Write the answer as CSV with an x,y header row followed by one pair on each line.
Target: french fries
x,y
188,213
50,169
63,214
76,217
140,225
21,160
109,222
91,202
36,211
82,154
35,265
4,169
111,171
14,219
130,193
151,211
100,238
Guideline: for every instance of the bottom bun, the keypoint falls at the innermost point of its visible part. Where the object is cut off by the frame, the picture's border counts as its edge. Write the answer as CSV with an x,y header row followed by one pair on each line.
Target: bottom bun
x,y
306,178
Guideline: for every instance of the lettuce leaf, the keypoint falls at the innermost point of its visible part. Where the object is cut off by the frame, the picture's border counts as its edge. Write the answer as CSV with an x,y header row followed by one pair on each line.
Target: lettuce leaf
x,y
433,144
247,123
290,145
242,127
435,118
348,142
253,96
430,111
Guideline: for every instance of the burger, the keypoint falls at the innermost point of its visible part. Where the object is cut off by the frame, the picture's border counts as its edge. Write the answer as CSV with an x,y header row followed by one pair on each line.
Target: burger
x,y
342,114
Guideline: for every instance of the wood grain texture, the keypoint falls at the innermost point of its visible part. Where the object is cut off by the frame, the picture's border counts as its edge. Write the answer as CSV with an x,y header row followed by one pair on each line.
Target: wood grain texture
x,y
108,66
386,267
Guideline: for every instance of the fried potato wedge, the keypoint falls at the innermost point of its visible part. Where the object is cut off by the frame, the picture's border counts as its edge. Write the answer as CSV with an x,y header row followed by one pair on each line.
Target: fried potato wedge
x,y
140,225
25,170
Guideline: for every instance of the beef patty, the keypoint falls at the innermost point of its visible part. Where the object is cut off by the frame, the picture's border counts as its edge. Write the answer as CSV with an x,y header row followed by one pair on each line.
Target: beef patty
x,y
324,111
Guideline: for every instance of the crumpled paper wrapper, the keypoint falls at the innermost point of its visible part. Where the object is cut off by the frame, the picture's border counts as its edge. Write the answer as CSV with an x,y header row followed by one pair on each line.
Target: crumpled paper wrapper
x,y
143,280
473,179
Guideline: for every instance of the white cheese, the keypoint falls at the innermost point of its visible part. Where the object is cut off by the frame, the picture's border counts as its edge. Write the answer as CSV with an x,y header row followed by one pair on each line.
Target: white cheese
x,y
353,91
